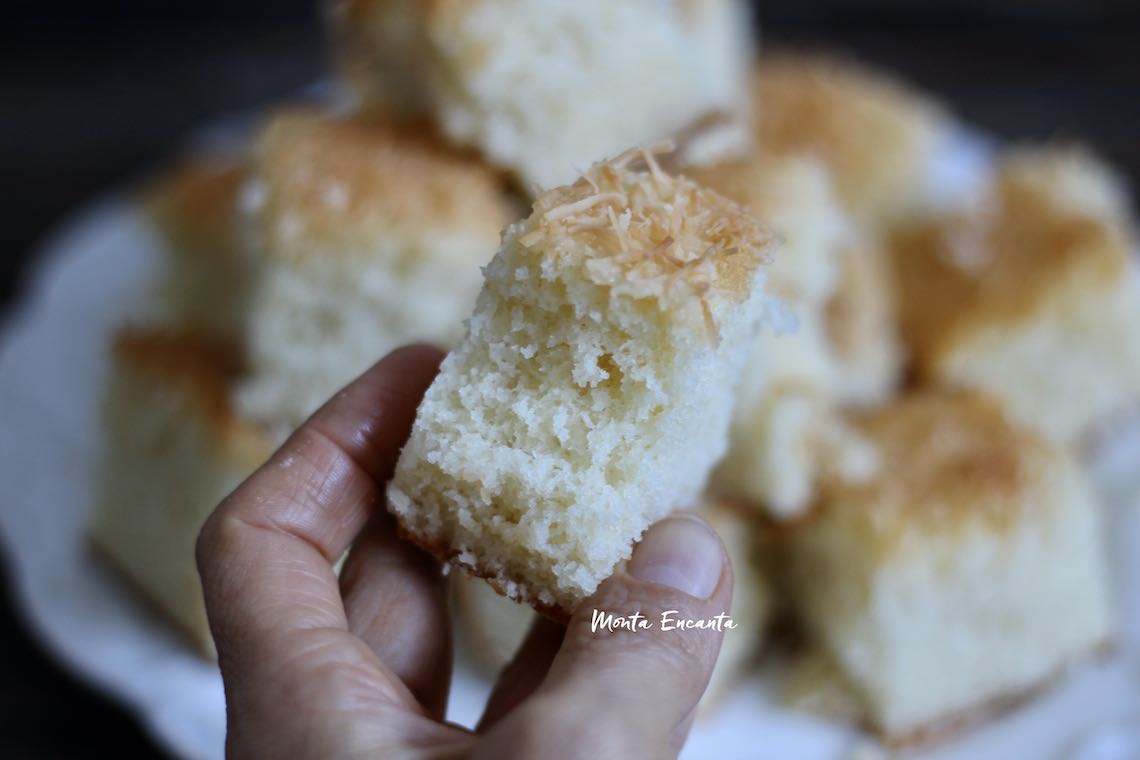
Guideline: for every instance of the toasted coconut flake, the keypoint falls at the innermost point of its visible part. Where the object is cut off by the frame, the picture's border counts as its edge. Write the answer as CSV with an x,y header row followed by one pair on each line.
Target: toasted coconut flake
x,y
570,209
672,259
710,323
532,237
661,232
662,247
659,177
619,233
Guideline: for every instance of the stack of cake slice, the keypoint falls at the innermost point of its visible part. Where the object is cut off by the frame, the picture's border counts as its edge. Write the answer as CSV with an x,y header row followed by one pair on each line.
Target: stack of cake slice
x,y
877,399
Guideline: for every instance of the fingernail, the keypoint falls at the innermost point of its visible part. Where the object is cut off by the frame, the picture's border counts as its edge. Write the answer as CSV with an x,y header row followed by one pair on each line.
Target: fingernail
x,y
680,552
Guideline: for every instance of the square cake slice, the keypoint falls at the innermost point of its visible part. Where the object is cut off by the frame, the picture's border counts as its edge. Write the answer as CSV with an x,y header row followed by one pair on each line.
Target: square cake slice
x,y
965,575
1031,295
785,430
548,87
367,236
173,449
592,393
877,136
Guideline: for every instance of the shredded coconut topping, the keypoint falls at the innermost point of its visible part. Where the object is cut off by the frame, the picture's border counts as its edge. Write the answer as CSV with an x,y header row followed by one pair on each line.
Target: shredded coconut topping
x,y
651,231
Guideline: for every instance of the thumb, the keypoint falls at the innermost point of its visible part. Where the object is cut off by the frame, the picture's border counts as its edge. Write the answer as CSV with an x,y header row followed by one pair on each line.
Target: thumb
x,y
633,692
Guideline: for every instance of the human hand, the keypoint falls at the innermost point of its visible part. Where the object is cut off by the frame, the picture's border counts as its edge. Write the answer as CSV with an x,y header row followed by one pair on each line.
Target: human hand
x,y
360,667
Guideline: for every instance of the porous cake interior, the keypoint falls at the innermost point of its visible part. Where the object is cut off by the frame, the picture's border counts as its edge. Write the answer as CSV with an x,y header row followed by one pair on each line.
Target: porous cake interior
x,y
593,390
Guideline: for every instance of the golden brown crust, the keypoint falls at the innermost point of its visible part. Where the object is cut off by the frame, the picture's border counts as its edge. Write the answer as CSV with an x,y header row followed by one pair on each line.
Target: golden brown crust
x,y
872,132
323,177
204,366
996,265
195,204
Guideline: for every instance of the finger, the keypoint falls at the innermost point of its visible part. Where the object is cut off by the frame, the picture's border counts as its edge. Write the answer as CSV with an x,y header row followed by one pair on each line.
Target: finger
x,y
525,672
632,692
266,554
395,598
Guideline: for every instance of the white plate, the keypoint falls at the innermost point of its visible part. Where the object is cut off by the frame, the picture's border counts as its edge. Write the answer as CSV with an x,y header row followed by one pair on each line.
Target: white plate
x,y
52,365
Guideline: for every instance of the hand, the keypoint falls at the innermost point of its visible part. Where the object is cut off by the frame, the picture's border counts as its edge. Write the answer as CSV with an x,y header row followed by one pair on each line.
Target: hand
x,y
360,667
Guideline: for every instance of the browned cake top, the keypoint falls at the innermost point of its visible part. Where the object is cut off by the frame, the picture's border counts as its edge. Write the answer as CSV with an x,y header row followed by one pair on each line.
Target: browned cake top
x,y
999,263
195,204
199,365
946,461
323,180
869,130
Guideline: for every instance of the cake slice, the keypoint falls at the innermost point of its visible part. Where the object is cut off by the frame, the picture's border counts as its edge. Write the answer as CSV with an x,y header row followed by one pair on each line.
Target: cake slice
x,y
786,429
785,446
367,236
194,207
592,393
173,449
547,88
965,575
875,135
1030,295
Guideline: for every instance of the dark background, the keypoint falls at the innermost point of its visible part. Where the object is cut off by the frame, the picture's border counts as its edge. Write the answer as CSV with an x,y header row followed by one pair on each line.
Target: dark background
x,y
94,94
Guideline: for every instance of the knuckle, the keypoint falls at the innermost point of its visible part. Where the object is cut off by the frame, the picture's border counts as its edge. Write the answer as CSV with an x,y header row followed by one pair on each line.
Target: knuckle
x,y
219,540
643,625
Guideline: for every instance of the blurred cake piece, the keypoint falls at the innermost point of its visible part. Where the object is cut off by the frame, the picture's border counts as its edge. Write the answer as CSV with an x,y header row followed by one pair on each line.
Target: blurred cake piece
x,y
592,393
368,236
547,88
785,427
860,322
1031,294
785,446
194,206
172,450
876,136
966,574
